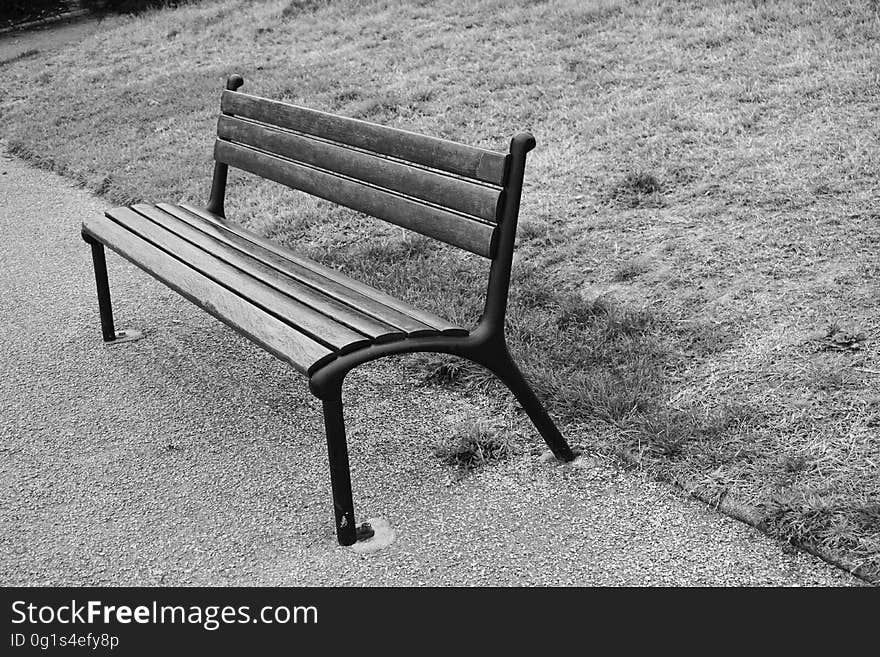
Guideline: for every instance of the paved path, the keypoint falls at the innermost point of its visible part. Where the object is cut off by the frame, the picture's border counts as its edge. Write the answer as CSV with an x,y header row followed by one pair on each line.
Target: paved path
x,y
191,457
17,43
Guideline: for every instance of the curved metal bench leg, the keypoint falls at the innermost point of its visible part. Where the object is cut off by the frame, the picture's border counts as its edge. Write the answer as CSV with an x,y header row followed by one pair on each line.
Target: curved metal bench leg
x,y
506,370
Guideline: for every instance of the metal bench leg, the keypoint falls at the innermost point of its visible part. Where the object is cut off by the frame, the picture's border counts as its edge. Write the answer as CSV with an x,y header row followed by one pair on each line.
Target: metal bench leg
x,y
511,376
340,474
104,305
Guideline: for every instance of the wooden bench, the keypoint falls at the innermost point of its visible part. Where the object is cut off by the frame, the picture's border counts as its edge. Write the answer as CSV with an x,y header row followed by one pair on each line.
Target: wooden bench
x,y
320,321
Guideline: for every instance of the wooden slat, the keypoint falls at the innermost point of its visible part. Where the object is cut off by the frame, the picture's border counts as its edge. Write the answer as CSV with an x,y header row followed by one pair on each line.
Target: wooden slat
x,y
226,251
454,193
278,338
468,234
460,159
390,310
306,320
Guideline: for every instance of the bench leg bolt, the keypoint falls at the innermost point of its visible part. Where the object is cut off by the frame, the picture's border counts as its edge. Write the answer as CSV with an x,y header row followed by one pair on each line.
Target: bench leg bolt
x,y
128,335
364,531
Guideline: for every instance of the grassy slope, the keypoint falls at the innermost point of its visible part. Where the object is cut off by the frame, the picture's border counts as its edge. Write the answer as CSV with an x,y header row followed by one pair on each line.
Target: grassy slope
x,y
701,212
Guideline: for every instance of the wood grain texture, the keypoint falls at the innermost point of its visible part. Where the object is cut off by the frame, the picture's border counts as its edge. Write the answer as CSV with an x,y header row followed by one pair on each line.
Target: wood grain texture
x,y
468,234
242,259
460,159
394,311
454,193
277,337
318,326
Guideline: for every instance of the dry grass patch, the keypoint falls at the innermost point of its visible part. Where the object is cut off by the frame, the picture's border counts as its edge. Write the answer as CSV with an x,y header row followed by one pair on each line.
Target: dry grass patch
x,y
474,445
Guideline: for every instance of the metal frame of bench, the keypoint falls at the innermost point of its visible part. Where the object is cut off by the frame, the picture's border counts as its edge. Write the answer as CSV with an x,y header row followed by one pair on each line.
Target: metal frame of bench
x,y
458,194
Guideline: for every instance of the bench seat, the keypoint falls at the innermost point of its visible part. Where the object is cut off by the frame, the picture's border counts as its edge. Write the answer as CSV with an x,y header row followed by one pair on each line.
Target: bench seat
x,y
304,313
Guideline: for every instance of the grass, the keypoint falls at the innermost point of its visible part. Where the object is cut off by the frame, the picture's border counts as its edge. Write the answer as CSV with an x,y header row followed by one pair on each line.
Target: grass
x,y
637,189
697,275
474,445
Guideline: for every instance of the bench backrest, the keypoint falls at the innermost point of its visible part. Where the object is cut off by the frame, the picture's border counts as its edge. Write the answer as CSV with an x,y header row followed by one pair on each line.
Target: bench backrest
x,y
462,195
442,189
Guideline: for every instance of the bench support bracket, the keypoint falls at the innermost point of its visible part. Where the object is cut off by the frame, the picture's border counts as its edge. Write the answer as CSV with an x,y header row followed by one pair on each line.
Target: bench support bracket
x,y
509,374
484,346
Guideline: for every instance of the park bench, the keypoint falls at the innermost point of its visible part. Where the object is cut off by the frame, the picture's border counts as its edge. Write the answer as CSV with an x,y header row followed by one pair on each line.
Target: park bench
x,y
318,320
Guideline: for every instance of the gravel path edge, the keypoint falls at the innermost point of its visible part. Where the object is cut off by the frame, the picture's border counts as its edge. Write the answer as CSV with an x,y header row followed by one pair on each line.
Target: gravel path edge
x,y
736,508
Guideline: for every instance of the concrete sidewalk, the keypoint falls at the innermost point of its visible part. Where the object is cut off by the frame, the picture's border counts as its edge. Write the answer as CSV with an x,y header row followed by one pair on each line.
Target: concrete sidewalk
x,y
193,458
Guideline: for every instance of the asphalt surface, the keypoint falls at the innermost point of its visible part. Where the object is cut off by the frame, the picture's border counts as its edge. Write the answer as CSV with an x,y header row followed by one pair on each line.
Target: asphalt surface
x,y
48,36
191,457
